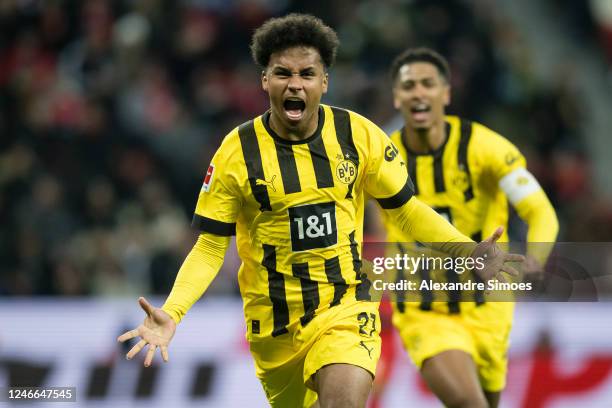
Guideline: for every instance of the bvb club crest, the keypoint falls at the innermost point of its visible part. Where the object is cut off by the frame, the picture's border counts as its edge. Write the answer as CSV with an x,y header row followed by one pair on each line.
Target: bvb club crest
x,y
346,171
461,179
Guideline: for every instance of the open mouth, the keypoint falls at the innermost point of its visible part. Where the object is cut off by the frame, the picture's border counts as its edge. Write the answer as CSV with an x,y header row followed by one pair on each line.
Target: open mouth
x,y
420,111
294,108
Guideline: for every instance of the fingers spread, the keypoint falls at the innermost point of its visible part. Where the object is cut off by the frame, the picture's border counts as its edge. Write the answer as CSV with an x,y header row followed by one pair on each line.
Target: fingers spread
x,y
150,355
514,258
495,236
510,270
501,278
128,335
164,353
146,306
136,349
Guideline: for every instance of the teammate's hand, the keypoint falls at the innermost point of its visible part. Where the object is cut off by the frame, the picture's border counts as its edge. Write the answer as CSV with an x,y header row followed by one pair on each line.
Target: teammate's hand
x,y
157,330
495,259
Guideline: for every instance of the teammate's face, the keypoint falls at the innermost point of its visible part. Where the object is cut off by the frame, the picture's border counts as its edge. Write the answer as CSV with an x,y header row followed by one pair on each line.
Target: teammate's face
x,y
295,80
421,93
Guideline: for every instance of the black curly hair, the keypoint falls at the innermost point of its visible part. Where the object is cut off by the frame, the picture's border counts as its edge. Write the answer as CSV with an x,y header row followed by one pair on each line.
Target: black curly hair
x,y
278,34
421,54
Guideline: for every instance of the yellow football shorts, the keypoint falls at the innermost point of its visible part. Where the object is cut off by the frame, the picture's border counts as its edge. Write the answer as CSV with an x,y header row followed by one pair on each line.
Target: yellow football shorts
x,y
348,333
483,332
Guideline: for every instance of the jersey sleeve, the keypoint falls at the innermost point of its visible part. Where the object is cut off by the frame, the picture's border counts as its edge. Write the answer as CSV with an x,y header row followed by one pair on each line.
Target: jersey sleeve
x,y
219,200
505,163
497,154
386,178
196,274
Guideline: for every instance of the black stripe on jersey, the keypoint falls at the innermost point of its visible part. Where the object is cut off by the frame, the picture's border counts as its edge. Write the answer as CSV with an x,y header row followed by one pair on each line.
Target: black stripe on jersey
x,y
398,199
454,296
411,159
204,224
310,291
479,294
344,134
426,294
355,254
288,168
320,161
334,275
412,171
437,164
439,173
400,296
252,159
462,158
363,287
276,286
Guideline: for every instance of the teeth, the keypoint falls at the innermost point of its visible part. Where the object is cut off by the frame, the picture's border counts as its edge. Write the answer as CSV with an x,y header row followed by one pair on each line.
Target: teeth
x,y
420,108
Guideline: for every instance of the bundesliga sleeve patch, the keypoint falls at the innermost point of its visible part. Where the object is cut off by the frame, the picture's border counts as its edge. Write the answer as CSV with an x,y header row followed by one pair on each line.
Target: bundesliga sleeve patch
x,y
208,178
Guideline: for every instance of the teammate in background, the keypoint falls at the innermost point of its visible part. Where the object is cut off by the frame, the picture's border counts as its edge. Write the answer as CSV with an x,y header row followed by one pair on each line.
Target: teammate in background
x,y
291,184
467,173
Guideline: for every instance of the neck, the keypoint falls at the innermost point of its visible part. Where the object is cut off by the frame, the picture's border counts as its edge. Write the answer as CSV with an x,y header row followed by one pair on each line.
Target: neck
x,y
425,141
297,133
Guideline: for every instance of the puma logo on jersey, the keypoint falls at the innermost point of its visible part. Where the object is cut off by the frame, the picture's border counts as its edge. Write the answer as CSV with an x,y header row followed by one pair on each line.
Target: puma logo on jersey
x,y
369,350
260,182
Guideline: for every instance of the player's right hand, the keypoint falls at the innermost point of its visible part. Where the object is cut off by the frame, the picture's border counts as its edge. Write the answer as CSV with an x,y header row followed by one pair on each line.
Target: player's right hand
x,y
157,330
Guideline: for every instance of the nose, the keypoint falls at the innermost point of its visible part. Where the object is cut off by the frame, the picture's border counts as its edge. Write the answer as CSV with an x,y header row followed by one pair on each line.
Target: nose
x,y
418,91
295,82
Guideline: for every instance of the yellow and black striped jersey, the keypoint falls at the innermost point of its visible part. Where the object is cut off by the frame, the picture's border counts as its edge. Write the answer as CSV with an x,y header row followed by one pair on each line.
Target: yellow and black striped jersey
x,y
296,208
461,181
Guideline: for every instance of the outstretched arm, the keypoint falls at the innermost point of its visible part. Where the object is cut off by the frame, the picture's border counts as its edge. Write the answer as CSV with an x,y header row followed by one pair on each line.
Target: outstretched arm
x,y
422,223
195,275
427,226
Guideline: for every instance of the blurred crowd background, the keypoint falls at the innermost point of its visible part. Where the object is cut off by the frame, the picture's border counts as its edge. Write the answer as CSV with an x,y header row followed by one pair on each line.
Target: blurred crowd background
x,y
111,110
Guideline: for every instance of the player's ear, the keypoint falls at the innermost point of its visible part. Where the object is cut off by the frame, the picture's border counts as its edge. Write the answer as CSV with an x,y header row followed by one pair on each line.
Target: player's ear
x,y
397,104
325,82
264,80
447,94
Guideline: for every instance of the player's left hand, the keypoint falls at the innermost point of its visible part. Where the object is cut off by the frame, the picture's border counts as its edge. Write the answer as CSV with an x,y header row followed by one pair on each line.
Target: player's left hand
x,y
495,260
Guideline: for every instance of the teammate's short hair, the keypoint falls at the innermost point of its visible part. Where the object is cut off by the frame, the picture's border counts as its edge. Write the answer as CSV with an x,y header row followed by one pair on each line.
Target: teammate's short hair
x,y
278,34
421,54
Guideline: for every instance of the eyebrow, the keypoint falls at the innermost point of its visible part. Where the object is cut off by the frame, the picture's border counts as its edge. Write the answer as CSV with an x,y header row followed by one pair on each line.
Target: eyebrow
x,y
285,69
426,78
